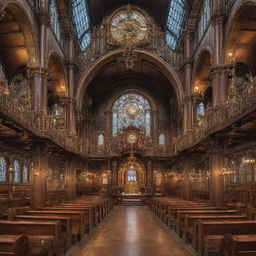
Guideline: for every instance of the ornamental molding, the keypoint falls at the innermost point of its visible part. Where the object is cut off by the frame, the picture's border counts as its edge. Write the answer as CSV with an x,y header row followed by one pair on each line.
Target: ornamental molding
x,y
221,70
43,16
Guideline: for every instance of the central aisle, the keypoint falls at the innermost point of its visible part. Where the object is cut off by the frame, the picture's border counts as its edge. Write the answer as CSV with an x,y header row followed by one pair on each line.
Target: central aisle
x,y
132,231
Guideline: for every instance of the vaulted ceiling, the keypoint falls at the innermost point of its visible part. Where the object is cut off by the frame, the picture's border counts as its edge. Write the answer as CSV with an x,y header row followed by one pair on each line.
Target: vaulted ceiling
x,y
156,8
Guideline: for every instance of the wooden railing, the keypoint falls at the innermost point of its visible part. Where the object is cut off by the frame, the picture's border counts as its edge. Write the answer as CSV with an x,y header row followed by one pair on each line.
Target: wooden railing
x,y
219,117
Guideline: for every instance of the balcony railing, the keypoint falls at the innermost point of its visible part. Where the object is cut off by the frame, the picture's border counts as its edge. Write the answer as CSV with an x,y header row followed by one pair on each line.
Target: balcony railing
x,y
220,117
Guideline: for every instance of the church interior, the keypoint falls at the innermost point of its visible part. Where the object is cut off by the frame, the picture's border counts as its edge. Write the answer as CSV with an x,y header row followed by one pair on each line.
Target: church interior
x,y
127,128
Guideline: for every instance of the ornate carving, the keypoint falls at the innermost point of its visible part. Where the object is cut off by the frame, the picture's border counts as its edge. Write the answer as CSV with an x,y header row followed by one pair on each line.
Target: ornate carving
x,y
102,43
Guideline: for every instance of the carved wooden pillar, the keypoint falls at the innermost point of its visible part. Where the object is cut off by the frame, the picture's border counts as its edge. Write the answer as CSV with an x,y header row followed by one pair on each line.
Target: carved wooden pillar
x,y
40,71
187,184
114,173
219,78
108,115
70,181
71,118
188,107
40,169
149,176
155,122
217,193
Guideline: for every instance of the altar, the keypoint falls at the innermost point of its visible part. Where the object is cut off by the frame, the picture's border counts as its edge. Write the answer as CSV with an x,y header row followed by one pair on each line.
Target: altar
x,y
131,199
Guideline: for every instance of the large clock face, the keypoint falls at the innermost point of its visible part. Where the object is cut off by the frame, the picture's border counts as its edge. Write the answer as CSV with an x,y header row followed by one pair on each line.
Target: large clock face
x,y
128,27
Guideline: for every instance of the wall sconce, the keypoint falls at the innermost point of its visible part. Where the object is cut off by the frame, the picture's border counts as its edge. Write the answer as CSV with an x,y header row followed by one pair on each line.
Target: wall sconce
x,y
227,171
248,160
196,89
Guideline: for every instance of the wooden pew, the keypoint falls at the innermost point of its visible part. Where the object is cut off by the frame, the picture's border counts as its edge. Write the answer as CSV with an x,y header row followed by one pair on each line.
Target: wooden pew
x,y
190,221
14,245
66,225
238,245
179,221
91,212
77,218
172,216
211,233
36,230
87,213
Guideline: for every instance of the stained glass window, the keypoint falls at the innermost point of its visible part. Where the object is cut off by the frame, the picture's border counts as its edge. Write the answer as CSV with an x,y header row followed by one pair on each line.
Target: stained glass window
x,y
25,174
17,174
200,109
175,22
161,139
101,139
81,21
131,175
54,18
131,110
204,18
3,176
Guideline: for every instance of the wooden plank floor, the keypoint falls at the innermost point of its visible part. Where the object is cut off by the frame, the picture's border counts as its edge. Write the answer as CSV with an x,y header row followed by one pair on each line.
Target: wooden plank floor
x,y
132,231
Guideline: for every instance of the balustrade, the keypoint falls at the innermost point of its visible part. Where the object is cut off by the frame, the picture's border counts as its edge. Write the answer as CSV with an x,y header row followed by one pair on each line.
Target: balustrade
x,y
220,117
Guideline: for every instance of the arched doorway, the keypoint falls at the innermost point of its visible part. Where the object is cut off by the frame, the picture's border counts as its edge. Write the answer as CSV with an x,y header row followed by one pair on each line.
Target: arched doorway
x,y
131,176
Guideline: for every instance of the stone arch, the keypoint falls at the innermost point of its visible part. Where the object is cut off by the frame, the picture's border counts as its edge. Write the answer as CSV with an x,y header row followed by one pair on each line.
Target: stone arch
x,y
57,85
25,25
239,33
202,69
88,74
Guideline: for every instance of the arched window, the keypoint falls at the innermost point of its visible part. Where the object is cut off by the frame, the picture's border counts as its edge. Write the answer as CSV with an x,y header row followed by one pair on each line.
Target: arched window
x,y
204,18
2,72
81,21
101,139
3,176
129,110
200,109
175,22
25,177
161,139
131,175
16,171
54,18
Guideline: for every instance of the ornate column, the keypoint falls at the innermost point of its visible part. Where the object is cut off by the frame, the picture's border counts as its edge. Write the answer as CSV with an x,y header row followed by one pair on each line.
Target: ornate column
x,y
40,77
71,118
114,175
40,169
188,107
187,185
155,122
219,78
70,181
108,115
149,176
217,192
